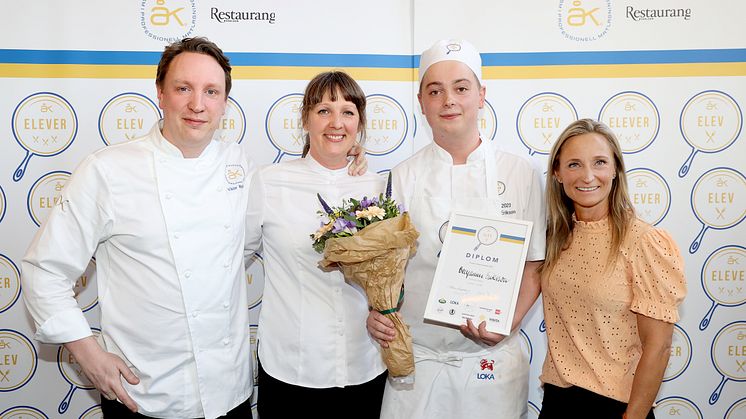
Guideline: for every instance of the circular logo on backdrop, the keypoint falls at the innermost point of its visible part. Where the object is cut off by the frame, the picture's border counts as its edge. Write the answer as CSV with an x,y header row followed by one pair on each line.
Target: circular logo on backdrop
x,y
723,279
10,283
710,122
737,410
44,124
18,360
284,127
255,280
718,201
44,194
23,412
168,20
387,125
634,118
681,354
650,194
677,407
127,116
3,204
85,289
584,20
72,373
93,412
232,126
728,355
487,121
541,119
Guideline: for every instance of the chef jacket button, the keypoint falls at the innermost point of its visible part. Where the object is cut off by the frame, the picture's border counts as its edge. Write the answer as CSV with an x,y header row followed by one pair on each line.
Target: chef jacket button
x,y
226,341
226,226
169,195
337,290
187,274
226,304
340,320
177,235
341,332
195,313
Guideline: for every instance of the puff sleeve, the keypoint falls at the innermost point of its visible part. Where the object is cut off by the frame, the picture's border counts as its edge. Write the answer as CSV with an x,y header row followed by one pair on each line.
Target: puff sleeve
x,y
658,279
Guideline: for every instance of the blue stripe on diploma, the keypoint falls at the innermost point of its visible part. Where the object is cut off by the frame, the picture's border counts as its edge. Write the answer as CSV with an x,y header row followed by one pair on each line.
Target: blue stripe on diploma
x,y
511,239
27,56
463,230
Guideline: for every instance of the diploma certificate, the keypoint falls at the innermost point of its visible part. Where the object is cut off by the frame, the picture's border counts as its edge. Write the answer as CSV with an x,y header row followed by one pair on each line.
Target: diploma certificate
x,y
479,271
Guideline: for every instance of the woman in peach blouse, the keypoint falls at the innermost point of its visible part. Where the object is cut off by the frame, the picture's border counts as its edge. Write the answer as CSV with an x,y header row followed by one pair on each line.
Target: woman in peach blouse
x,y
611,285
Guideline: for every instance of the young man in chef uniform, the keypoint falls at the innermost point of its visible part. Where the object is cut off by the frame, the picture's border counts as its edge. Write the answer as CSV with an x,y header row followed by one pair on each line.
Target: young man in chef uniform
x,y
460,171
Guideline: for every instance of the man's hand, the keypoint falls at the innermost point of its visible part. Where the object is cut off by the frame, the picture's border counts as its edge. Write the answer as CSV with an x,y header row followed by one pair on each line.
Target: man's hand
x,y
480,334
360,165
103,369
380,328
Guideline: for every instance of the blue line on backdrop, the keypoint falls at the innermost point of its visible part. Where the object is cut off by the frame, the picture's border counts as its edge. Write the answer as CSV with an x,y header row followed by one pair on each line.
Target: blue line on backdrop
x,y
25,56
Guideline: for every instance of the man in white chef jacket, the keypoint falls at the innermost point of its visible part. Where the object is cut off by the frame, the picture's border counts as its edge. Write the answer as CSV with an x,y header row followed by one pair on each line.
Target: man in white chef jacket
x,y
164,217
466,373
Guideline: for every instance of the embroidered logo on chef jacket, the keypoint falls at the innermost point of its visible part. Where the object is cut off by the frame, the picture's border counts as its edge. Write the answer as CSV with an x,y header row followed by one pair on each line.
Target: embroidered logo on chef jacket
x,y
234,175
485,368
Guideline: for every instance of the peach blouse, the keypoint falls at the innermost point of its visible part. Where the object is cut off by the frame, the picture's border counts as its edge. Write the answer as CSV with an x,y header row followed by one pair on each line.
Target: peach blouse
x,y
590,311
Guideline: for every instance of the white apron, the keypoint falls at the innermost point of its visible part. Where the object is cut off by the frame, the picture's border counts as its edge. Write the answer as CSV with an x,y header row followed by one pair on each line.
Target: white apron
x,y
454,376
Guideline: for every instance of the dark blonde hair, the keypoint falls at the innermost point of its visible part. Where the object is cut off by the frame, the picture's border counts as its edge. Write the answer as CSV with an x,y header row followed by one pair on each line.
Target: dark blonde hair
x,y
560,207
198,45
332,82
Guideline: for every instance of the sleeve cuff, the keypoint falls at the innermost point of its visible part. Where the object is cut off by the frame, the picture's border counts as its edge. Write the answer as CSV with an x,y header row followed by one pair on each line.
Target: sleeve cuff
x,y
67,326
655,310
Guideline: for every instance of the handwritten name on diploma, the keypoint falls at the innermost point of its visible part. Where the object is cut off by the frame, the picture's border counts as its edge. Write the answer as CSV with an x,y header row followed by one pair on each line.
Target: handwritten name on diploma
x,y
467,273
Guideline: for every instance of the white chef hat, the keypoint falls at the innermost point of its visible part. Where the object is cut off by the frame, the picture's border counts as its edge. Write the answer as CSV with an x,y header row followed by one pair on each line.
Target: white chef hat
x,y
455,50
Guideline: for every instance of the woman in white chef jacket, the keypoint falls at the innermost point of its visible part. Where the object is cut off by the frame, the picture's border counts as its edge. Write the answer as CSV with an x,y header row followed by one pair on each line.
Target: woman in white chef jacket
x,y
467,373
314,351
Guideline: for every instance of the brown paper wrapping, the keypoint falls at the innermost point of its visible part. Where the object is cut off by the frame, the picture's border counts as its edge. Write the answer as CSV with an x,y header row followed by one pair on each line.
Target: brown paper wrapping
x,y
375,258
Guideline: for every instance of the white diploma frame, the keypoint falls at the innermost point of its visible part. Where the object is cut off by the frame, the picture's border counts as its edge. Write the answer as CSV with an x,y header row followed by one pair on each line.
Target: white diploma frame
x,y
479,271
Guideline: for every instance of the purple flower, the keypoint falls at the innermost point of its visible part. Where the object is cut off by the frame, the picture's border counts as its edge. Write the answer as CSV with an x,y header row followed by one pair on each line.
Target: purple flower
x,y
365,203
340,224
400,207
326,207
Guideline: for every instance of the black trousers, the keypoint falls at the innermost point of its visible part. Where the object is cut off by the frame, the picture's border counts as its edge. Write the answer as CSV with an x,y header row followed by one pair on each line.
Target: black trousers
x,y
280,400
579,403
112,409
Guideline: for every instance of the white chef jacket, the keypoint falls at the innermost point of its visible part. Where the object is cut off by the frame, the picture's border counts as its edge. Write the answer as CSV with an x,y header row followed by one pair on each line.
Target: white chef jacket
x,y
167,233
312,330
448,367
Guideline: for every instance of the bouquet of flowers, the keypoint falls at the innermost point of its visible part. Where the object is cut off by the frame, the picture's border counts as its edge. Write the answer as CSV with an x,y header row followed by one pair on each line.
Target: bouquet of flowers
x,y
371,241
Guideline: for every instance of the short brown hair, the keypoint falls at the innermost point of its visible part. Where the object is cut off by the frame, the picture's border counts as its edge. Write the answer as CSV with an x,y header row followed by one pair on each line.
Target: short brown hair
x,y
332,82
199,45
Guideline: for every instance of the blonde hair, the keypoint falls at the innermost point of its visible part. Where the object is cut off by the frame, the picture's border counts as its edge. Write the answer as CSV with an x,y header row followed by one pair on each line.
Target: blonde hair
x,y
560,207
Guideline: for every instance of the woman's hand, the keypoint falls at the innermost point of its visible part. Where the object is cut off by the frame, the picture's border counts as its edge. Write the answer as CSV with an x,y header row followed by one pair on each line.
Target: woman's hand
x,y
358,166
380,328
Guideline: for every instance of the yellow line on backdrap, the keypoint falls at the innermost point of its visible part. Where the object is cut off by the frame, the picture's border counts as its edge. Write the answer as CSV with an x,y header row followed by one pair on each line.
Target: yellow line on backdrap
x,y
91,71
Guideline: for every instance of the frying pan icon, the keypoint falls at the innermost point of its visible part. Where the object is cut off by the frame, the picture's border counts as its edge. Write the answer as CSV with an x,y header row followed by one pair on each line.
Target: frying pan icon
x,y
728,366
710,122
72,373
726,260
44,124
718,201
283,126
